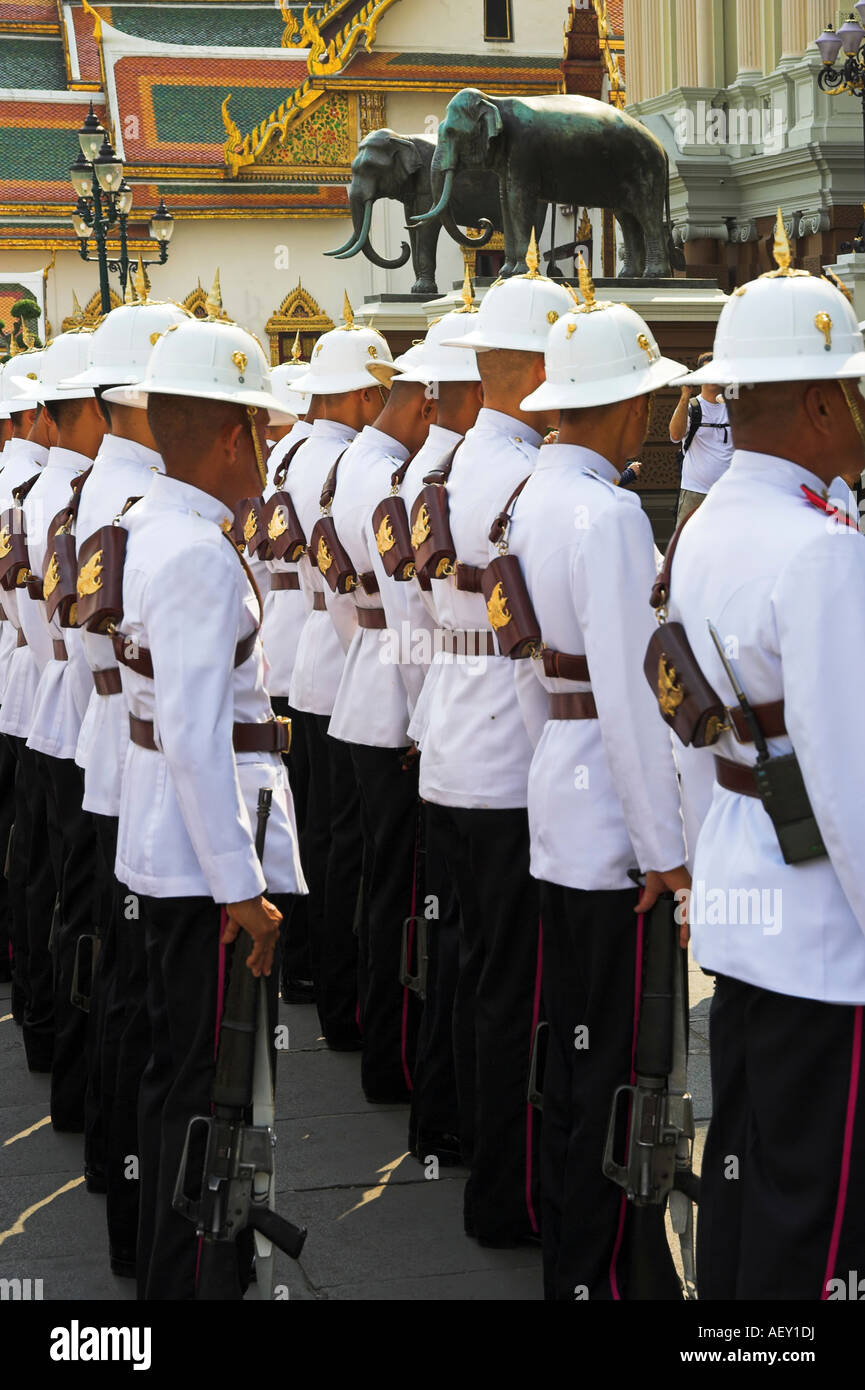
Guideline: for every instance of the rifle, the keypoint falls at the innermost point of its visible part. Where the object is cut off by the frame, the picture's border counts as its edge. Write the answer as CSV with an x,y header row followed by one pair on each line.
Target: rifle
x,y
231,1191
660,1138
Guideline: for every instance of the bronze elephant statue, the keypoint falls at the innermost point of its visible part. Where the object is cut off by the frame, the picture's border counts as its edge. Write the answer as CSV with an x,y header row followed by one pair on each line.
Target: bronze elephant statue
x,y
388,165
558,149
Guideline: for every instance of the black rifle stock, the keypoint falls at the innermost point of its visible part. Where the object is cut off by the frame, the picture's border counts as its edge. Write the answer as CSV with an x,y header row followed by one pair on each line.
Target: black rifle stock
x,y
660,1127
227,1166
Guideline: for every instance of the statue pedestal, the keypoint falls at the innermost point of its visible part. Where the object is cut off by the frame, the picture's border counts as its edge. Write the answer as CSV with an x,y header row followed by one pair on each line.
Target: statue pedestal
x,y
850,270
402,318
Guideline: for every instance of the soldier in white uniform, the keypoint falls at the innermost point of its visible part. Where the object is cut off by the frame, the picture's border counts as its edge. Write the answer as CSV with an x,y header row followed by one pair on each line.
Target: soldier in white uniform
x,y
781,1209
203,743
64,686
474,765
370,715
603,792
349,399
118,1039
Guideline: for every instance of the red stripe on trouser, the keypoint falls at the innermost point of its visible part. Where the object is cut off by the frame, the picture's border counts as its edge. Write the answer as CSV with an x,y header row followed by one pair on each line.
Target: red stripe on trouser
x,y
623,1206
530,1109
220,1001
852,1096
406,1071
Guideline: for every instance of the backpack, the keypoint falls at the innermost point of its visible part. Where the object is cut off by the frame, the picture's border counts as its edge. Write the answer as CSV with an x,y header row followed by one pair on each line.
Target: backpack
x,y
695,422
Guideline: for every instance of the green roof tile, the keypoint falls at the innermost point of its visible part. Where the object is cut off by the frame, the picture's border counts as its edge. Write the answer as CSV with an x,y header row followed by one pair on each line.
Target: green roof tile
x,y
37,153
193,114
238,26
36,63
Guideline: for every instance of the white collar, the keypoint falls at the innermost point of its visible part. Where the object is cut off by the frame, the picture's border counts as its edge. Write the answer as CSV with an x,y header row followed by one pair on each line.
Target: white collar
x,y
180,496
383,443
331,429
496,422
776,471
442,438
576,456
113,448
68,459
35,452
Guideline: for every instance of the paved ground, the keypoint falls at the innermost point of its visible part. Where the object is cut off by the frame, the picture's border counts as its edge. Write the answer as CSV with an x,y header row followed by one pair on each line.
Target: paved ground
x,y
378,1229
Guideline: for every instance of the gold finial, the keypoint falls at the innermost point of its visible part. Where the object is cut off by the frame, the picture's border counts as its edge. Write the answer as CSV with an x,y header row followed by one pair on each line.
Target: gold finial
x,y
77,311
128,296
14,349
347,312
533,258
782,253
29,339
213,302
467,294
296,355
141,286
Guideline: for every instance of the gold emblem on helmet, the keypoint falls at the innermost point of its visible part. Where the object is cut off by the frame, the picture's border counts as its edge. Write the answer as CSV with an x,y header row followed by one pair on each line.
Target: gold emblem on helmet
x,y
552,317
154,339
52,576
90,577
239,359
648,347
384,537
497,608
323,557
670,692
824,323
421,528
373,351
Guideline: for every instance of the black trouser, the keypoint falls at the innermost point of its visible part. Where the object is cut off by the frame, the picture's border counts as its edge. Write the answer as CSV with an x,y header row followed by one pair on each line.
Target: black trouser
x,y
335,861
591,948
434,1107
77,916
7,817
495,1014
186,972
782,1195
34,862
132,1054
296,959
389,1011
105,1020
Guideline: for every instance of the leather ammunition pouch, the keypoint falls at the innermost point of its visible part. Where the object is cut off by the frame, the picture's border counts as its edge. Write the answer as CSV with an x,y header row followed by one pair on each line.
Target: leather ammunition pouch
x,y
281,473
393,533
326,549
248,518
14,559
283,533
59,583
509,606
432,542
99,586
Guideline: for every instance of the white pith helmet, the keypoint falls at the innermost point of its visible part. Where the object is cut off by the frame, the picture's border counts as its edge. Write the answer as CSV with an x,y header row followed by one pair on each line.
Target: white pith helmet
x,y
120,347
339,359
65,356
438,358
599,354
407,367
282,379
517,314
25,366
209,359
786,325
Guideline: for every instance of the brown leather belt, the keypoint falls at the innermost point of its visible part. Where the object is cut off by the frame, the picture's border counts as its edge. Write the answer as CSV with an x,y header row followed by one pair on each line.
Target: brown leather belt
x,y
770,718
139,658
564,665
580,704
22,640
319,604
371,617
735,777
271,737
462,642
468,578
60,652
108,682
279,582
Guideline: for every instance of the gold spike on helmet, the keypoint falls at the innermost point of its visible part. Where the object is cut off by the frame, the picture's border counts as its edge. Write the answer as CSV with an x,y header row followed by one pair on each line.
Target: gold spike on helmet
x,y
782,253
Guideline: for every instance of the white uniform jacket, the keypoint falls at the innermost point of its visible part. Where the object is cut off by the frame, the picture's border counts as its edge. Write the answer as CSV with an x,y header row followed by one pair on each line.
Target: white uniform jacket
x,y
785,587
123,469
371,706
326,633
20,460
64,685
476,753
603,793
188,811
285,610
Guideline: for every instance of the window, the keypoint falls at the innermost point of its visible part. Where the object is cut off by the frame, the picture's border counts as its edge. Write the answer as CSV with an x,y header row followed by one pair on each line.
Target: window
x,y
498,20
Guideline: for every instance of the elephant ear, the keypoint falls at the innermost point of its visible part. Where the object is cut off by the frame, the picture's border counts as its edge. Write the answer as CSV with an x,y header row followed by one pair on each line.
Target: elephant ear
x,y
490,119
407,156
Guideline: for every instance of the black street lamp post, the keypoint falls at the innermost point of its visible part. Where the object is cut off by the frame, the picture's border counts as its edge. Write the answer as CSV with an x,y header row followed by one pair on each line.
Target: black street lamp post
x,y
848,76
105,200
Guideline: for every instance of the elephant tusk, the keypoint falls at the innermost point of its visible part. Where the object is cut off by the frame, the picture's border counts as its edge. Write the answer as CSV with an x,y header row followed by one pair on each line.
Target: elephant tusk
x,y
440,205
345,246
345,253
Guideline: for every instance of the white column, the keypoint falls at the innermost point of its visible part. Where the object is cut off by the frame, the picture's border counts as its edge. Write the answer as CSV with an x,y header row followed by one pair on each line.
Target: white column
x,y
635,51
653,47
687,66
705,19
818,13
749,36
795,34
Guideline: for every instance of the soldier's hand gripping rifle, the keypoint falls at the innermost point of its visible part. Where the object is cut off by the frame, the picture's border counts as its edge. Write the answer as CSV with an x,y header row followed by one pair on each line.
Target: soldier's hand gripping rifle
x,y
231,1191
660,1124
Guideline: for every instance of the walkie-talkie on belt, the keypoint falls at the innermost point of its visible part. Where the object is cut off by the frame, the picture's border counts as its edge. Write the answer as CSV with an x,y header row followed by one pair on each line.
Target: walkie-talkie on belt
x,y
779,782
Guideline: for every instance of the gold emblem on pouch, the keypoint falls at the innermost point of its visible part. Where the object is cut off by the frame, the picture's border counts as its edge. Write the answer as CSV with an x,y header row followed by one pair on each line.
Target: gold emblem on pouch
x,y
421,528
384,537
52,576
90,577
323,557
670,692
497,608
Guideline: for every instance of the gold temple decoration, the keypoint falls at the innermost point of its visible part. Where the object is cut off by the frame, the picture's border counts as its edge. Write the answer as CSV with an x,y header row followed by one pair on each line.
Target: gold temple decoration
x,y
128,296
142,288
782,253
213,302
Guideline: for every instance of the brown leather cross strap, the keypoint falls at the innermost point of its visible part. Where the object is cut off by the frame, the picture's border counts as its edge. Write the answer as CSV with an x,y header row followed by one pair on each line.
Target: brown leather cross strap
x,y
108,682
281,473
371,618
60,652
735,777
442,471
274,736
319,602
661,588
770,718
139,659
564,666
281,582
327,492
22,640
468,577
501,525
21,491
3,617
578,705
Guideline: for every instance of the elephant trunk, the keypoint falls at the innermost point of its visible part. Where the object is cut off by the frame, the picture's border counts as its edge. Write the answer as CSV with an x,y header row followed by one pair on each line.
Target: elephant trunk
x,y
473,242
